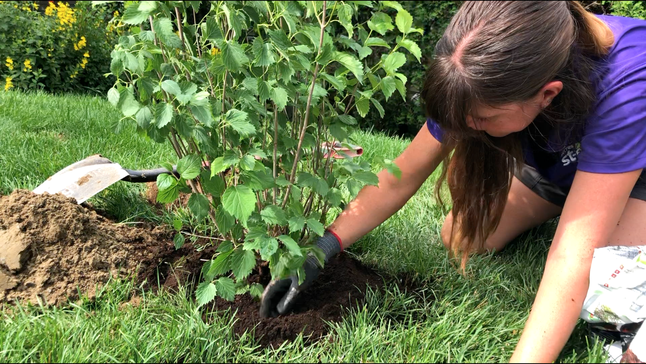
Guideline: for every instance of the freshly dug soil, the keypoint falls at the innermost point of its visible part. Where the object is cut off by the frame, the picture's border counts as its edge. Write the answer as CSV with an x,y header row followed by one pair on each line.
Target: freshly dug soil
x,y
51,249
342,284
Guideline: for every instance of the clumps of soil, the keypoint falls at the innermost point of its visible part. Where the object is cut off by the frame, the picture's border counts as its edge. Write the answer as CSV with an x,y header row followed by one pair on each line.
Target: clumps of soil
x,y
342,284
52,248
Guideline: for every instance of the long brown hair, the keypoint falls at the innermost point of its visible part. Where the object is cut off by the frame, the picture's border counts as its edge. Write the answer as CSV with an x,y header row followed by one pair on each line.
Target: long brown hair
x,y
494,53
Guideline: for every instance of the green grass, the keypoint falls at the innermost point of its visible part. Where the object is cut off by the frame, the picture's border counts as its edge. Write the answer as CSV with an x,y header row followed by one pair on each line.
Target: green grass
x,y
477,318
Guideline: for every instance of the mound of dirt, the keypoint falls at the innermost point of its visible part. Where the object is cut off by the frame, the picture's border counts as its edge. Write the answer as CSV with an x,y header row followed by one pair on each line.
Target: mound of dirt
x,y
51,248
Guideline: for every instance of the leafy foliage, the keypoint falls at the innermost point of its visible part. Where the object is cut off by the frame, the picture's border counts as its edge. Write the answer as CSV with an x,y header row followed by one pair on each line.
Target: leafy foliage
x,y
57,49
248,96
402,112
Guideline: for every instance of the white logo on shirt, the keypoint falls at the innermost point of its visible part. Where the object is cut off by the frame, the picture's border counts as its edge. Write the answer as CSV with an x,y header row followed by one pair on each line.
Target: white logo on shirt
x,y
570,154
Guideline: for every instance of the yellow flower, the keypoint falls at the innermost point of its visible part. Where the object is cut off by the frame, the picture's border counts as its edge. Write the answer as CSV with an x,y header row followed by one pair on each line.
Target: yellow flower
x,y
8,84
9,63
86,54
49,10
65,14
115,14
35,5
215,51
27,65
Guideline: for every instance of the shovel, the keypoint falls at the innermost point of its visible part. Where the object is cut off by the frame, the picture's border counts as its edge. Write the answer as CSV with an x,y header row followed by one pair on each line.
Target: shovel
x,y
92,175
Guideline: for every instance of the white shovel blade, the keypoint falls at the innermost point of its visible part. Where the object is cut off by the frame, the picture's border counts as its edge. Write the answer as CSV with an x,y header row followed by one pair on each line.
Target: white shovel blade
x,y
82,182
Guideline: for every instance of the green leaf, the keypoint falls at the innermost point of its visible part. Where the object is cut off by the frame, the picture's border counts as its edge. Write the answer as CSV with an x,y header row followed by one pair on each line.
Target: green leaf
x,y
367,177
400,87
291,245
129,106
213,185
316,226
187,92
279,38
263,52
263,90
239,121
178,240
393,62
351,63
144,117
412,47
268,246
338,132
205,293
199,205
378,106
388,86
273,215
363,106
218,166
189,166
393,168
279,97
248,162
167,188
239,201
134,16
381,23
177,224
256,290
163,114
163,27
225,288
213,31
114,96
296,223
337,82
404,21
347,119
372,42
392,4
202,114
221,264
224,220
171,87
242,263
233,56
317,184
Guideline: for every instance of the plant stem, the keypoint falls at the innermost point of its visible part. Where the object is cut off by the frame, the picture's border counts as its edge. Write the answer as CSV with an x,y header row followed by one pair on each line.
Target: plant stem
x,y
275,148
178,18
308,107
292,175
224,93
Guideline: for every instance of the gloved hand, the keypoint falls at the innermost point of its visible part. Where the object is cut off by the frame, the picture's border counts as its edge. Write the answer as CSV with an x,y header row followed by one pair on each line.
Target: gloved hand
x,y
281,294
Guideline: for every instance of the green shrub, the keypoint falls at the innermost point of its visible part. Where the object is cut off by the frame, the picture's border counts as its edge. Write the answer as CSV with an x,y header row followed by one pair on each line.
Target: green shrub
x,y
262,93
405,116
57,49
631,9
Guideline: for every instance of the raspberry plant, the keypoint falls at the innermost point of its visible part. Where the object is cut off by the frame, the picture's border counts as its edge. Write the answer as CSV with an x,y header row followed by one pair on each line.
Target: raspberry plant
x,y
248,96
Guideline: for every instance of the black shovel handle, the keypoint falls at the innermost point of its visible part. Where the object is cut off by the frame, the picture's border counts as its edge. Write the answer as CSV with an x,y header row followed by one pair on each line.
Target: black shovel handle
x,y
147,175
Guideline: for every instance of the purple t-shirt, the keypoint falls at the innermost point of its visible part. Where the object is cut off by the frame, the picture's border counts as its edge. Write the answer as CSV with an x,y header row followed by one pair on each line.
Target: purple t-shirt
x,y
614,135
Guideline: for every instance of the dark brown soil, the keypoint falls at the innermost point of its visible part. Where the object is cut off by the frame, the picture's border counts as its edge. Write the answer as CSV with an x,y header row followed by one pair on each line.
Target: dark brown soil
x,y
341,285
52,248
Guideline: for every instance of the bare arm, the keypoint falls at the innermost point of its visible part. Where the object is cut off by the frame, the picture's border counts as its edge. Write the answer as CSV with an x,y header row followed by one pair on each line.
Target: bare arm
x,y
591,213
373,205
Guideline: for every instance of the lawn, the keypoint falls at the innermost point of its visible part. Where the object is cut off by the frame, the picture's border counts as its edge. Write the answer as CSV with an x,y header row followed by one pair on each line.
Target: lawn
x,y
453,318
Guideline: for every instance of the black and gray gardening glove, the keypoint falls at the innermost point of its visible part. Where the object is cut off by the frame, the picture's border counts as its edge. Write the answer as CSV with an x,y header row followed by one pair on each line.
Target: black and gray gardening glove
x,y
280,294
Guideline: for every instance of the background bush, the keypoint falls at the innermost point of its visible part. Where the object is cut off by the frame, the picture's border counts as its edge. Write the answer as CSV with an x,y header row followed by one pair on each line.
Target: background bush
x,y
405,117
57,48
